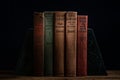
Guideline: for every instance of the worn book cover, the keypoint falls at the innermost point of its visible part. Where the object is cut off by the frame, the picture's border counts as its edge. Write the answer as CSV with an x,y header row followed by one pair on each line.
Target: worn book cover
x,y
82,45
59,43
70,43
48,43
38,43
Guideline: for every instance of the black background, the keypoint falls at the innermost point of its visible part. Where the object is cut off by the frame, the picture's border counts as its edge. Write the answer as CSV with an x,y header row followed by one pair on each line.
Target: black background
x,y
103,19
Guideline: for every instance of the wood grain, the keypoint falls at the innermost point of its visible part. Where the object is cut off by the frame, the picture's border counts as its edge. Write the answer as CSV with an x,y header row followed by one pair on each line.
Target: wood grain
x,y
112,75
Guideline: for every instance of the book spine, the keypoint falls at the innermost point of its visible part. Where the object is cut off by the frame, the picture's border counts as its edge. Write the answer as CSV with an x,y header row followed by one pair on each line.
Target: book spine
x,y
48,43
71,38
38,44
59,43
82,45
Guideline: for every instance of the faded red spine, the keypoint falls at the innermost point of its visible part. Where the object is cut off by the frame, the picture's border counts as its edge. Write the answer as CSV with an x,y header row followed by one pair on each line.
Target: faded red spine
x,y
38,43
82,45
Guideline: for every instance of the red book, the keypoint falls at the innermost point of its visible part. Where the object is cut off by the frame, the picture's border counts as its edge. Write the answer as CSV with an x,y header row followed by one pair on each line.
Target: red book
x,y
82,45
38,43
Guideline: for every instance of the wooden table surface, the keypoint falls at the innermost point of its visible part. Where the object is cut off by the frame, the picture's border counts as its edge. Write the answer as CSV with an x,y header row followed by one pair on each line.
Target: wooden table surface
x,y
112,75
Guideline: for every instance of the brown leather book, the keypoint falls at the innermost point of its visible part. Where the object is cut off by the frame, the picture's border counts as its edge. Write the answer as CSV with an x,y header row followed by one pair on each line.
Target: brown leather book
x,y
59,32
38,43
70,43
82,45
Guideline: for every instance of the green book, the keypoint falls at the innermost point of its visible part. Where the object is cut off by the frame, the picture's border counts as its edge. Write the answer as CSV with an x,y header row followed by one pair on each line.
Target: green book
x,y
48,43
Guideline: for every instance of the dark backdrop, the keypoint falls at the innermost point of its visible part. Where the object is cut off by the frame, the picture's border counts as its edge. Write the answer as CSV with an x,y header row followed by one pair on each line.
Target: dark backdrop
x,y
103,18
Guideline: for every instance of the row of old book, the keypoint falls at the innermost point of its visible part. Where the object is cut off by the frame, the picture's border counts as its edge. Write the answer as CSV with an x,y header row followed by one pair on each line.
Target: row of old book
x,y
60,43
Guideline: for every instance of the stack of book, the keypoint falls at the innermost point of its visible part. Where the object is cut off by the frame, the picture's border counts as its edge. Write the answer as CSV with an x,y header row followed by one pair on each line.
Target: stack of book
x,y
60,43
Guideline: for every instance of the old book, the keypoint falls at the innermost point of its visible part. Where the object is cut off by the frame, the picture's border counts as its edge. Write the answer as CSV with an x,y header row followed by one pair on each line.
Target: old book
x,y
38,43
70,43
59,32
82,45
48,43
95,60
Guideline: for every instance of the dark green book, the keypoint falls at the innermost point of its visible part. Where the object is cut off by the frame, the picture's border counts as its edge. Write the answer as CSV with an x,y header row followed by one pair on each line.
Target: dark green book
x,y
24,64
95,60
48,43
